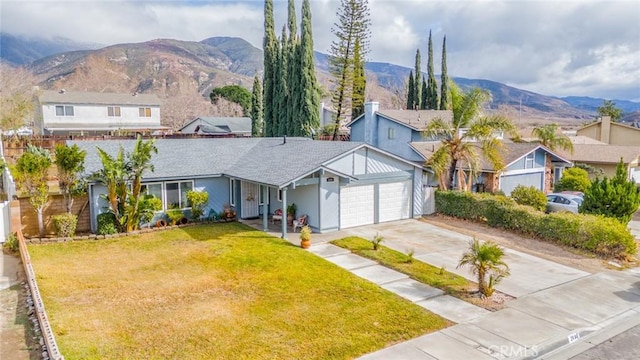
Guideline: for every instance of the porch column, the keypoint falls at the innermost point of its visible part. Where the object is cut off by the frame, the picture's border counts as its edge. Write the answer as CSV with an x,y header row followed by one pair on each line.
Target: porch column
x,y
284,213
265,208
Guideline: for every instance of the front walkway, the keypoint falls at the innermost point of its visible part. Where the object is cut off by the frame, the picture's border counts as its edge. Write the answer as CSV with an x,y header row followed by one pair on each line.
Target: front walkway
x,y
560,311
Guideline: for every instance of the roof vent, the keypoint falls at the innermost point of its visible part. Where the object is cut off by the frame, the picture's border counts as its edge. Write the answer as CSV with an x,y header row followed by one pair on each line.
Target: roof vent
x,y
135,93
61,91
284,139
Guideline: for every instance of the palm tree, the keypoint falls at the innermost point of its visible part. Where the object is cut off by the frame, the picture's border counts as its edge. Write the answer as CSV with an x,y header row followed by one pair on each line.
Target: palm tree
x,y
114,175
485,259
548,136
468,133
140,161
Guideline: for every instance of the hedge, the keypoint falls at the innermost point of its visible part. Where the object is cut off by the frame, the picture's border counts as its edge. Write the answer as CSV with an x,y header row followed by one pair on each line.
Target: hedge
x,y
602,236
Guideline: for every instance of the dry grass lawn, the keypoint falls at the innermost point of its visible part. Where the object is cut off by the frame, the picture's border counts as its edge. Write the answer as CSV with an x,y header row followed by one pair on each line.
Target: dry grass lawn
x,y
220,291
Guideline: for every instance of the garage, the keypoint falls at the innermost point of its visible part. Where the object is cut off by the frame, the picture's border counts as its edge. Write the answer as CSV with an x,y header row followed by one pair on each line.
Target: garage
x,y
509,182
356,206
394,201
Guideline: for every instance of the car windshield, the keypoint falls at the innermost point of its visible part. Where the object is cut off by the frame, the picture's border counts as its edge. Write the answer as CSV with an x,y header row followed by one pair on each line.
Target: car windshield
x,y
577,200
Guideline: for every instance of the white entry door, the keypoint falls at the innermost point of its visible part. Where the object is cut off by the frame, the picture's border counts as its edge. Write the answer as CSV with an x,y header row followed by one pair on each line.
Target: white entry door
x,y
394,201
356,206
249,193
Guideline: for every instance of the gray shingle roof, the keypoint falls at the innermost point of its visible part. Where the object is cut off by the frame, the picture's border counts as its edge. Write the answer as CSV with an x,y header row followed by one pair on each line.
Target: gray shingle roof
x,y
263,160
611,154
84,98
416,119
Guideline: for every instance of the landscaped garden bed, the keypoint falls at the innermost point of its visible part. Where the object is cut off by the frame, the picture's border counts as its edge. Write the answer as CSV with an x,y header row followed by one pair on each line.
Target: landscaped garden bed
x,y
214,291
451,284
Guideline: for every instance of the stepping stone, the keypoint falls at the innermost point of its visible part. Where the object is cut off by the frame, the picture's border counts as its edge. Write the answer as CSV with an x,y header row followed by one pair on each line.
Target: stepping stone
x,y
350,261
452,308
379,274
412,290
327,250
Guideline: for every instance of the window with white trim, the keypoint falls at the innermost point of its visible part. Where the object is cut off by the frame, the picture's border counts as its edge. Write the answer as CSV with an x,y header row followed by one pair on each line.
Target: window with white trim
x,y
530,161
64,110
113,111
232,192
391,133
144,112
176,194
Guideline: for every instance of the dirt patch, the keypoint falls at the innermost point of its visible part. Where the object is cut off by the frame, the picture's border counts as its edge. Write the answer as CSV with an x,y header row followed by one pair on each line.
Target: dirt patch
x,y
553,252
17,339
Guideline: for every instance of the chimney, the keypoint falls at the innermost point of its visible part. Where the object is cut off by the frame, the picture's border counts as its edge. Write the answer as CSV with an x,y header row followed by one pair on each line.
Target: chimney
x,y
605,129
371,123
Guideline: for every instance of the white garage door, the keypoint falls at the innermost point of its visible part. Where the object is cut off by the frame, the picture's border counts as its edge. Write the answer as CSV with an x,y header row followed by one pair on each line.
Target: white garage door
x,y
356,206
394,201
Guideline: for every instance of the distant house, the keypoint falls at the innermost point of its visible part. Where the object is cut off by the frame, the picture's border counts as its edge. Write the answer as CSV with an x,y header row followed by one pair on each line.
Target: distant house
x,y
611,132
400,132
92,113
338,184
218,126
606,157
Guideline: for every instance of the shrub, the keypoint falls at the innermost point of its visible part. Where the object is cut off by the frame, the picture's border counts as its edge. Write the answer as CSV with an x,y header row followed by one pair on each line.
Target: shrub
x,y
197,201
530,196
602,236
174,216
107,224
573,179
376,241
65,224
11,243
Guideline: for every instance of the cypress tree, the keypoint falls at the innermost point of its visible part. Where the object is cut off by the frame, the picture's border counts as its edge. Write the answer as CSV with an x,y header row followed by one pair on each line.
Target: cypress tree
x,y
410,92
277,84
309,100
416,83
359,83
425,93
432,85
292,69
269,46
283,95
444,79
256,108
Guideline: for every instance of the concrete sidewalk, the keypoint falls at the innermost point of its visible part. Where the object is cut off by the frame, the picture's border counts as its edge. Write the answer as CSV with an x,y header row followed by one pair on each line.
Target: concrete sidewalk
x,y
8,271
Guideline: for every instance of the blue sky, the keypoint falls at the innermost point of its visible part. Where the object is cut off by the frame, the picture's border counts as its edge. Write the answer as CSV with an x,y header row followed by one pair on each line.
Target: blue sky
x,y
580,47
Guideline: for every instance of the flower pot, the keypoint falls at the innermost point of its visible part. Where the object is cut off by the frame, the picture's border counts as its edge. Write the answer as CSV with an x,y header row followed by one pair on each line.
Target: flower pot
x,y
183,221
305,244
161,223
290,219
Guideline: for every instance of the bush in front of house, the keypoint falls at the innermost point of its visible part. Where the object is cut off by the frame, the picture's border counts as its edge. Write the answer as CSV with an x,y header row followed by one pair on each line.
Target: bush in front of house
x,y
600,235
531,196
65,224
107,224
11,243
197,200
573,179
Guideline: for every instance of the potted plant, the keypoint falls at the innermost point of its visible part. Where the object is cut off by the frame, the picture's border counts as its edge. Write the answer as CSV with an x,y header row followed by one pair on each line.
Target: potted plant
x,y
305,237
291,213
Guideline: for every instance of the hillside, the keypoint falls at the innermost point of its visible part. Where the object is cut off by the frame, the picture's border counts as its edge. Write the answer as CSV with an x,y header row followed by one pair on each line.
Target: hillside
x,y
184,72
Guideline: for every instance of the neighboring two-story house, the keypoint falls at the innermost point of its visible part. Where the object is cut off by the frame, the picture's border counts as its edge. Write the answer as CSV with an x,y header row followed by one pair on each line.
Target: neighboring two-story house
x,y
400,133
91,113
611,133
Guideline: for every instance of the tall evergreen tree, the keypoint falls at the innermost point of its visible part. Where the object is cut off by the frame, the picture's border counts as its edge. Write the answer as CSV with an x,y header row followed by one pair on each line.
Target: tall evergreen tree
x,y
282,91
432,85
256,108
445,96
411,92
417,90
359,83
425,93
292,67
277,85
309,98
269,46
353,23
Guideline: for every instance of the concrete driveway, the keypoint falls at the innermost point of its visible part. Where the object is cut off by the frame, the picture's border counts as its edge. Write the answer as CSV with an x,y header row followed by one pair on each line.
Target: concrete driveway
x,y
442,247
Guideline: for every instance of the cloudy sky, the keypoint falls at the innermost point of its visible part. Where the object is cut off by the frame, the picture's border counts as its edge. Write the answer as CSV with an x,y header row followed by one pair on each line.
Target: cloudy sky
x,y
580,47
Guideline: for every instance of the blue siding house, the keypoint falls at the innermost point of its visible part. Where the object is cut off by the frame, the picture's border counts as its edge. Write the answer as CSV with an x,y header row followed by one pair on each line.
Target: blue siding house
x,y
337,184
400,132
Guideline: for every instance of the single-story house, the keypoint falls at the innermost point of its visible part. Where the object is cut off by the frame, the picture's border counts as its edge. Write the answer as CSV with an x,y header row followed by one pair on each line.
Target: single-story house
x,y
218,126
525,164
337,184
606,157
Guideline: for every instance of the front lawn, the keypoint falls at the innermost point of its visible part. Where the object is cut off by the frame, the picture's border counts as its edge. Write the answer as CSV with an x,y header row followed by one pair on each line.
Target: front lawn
x,y
214,291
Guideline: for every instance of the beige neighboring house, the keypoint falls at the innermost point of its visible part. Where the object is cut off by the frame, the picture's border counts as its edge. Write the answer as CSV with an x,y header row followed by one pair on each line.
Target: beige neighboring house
x,y
606,157
611,132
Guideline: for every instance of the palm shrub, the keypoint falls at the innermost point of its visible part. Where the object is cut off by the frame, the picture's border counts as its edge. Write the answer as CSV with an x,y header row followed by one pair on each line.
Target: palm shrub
x,y
65,224
197,201
617,197
573,179
174,216
376,241
531,196
485,261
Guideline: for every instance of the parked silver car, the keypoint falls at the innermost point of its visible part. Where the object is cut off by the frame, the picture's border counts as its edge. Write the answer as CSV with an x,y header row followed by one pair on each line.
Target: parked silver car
x,y
563,202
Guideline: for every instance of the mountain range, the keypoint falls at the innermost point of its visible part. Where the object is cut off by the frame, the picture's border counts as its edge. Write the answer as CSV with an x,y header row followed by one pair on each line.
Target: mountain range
x,y
184,72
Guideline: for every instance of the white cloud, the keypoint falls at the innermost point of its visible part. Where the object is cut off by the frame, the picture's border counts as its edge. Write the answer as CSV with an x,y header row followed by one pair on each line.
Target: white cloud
x,y
552,47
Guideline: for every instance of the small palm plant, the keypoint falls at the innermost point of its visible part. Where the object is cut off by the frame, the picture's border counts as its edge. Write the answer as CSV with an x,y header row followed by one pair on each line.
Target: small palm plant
x,y
485,260
376,241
